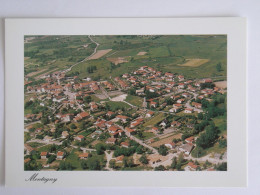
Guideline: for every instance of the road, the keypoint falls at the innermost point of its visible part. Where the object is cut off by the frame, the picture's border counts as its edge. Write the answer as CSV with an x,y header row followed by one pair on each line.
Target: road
x,y
85,59
119,88
45,142
104,92
141,142
206,158
72,97
109,157
32,123
187,105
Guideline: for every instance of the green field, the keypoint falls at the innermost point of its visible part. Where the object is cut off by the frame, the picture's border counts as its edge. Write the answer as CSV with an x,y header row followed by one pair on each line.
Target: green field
x,y
74,160
154,120
35,144
165,53
117,105
135,100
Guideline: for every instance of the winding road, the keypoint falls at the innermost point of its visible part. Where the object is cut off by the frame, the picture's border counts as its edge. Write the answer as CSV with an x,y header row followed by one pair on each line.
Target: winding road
x,y
85,59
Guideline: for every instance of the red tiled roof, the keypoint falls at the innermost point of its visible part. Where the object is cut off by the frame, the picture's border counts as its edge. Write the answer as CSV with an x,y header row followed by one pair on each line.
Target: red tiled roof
x,y
60,153
83,155
43,153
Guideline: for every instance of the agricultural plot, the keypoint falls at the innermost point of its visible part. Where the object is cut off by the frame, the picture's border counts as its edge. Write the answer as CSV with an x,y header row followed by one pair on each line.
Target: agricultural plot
x,y
152,122
194,62
99,54
166,140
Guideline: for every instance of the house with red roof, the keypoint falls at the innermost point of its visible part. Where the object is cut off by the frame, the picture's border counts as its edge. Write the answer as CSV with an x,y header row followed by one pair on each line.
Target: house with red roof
x,y
44,155
196,105
125,144
79,138
170,145
188,110
192,166
84,156
153,104
190,139
129,131
149,114
60,155
122,118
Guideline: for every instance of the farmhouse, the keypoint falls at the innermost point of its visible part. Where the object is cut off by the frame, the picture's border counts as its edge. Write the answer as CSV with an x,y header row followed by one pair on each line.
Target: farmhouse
x,y
191,166
64,134
122,118
60,155
44,155
188,110
84,156
196,105
170,145
175,124
189,139
79,138
125,144
149,114
111,140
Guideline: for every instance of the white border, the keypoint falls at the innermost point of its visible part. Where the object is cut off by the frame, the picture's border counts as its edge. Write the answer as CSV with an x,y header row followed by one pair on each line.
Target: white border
x,y
235,28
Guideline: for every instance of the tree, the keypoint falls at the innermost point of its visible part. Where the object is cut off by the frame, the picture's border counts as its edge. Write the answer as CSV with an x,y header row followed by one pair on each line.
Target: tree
x,y
73,126
32,165
198,152
100,148
140,149
131,91
45,120
222,143
130,162
93,164
143,159
174,163
222,167
112,164
51,159
159,168
207,138
84,164
125,162
219,67
163,150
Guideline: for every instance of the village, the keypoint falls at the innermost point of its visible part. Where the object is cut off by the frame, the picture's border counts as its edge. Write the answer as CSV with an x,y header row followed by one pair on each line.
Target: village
x,y
142,120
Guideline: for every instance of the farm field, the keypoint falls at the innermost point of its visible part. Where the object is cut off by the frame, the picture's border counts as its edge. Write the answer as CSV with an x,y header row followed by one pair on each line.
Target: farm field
x,y
194,62
221,84
135,100
166,140
156,119
180,54
99,54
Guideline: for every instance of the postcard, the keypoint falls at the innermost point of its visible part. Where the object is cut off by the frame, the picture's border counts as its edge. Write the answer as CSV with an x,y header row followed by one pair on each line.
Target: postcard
x,y
126,102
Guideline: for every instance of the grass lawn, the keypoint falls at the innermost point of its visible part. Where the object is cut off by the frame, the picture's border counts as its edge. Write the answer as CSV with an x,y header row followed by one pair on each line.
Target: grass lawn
x,y
221,123
135,100
35,144
146,135
74,159
156,119
117,105
137,168
45,148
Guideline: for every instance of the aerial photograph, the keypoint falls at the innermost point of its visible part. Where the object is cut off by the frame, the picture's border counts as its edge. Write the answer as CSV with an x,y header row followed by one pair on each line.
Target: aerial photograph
x,y
125,103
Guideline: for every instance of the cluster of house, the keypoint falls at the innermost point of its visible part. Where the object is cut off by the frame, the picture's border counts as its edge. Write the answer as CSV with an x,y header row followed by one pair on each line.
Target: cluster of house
x,y
143,79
